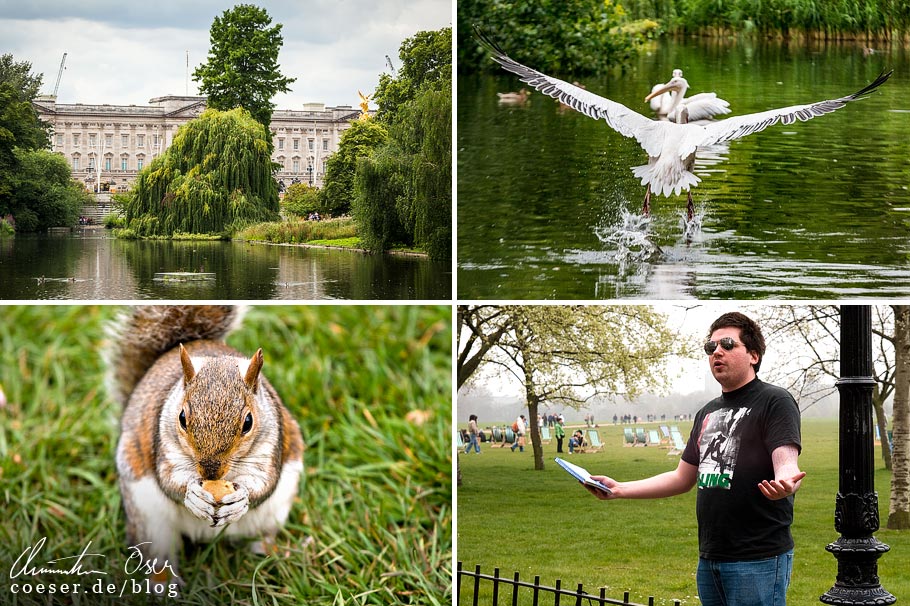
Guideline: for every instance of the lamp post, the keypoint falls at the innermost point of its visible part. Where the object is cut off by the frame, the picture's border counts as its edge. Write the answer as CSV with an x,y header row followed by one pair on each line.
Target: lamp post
x,y
856,510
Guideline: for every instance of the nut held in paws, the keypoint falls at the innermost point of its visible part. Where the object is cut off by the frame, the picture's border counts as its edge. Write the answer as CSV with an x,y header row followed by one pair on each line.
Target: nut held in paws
x,y
218,488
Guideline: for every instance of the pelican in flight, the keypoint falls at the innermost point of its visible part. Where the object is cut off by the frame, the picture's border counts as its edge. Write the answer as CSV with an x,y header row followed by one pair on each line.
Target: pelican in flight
x,y
665,98
670,145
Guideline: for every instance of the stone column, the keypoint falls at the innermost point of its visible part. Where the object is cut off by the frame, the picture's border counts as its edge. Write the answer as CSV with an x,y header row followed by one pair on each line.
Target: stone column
x,y
856,511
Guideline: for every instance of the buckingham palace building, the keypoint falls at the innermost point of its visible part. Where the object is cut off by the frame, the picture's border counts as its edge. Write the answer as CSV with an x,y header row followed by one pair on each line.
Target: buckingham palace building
x,y
110,144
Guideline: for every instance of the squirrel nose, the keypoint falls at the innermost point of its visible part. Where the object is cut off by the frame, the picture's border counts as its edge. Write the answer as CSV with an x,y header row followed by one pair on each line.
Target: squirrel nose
x,y
210,469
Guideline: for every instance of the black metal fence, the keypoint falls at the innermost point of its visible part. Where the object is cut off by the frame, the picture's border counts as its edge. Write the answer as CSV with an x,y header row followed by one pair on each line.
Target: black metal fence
x,y
535,592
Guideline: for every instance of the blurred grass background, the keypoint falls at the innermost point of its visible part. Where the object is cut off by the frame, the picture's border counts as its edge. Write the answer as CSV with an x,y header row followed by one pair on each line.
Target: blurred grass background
x,y
370,387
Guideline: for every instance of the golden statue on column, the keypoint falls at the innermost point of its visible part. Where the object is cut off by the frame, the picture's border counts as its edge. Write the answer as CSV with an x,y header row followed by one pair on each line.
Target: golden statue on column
x,y
364,106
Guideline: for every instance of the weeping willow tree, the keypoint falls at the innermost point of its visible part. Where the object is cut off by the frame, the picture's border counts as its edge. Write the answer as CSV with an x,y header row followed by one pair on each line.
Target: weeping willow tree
x,y
403,192
213,179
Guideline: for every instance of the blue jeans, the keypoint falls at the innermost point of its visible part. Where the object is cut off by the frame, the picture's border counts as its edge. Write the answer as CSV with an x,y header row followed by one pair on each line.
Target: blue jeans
x,y
472,441
745,583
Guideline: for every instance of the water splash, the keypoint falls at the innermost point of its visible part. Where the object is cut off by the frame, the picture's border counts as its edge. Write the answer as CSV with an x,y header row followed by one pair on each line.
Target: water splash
x,y
631,236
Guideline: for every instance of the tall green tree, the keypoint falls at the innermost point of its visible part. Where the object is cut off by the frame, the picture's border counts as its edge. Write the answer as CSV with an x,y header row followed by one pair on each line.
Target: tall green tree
x,y
42,193
360,140
20,126
403,193
216,177
242,68
572,354
426,64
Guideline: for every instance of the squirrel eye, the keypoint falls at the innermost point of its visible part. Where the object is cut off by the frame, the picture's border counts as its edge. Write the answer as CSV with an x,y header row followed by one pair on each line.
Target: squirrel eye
x,y
182,419
247,424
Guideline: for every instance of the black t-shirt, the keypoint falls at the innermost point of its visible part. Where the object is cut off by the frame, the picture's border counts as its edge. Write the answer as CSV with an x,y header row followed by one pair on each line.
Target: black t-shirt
x,y
731,444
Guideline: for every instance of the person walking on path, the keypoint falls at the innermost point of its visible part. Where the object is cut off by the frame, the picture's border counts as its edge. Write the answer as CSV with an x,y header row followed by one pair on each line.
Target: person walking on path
x,y
473,432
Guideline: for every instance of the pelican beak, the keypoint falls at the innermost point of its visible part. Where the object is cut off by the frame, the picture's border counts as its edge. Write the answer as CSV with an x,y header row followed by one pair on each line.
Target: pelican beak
x,y
669,86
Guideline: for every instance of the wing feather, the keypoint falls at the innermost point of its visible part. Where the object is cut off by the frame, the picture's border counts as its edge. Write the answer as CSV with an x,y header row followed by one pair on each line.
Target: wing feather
x,y
620,118
740,126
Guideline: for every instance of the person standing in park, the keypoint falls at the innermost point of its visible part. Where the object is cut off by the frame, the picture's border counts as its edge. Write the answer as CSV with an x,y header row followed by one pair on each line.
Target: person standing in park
x,y
560,433
519,427
473,433
742,454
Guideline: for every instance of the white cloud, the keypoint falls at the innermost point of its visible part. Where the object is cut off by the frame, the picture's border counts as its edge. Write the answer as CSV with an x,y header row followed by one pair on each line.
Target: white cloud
x,y
128,53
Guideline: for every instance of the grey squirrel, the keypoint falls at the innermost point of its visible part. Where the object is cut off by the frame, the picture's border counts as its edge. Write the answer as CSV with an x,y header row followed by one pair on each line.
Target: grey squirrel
x,y
206,444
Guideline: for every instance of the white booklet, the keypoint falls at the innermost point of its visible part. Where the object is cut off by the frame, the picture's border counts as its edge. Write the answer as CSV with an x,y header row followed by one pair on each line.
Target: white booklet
x,y
581,474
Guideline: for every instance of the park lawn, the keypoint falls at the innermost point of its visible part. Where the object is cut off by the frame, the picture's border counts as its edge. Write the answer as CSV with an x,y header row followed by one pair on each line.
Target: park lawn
x,y
543,523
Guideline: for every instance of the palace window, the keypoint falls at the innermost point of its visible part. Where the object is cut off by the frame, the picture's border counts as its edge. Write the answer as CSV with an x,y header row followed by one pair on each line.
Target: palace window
x,y
59,140
124,140
139,163
91,162
280,143
310,144
123,163
107,164
91,140
296,166
75,162
109,141
75,139
325,145
296,144
140,140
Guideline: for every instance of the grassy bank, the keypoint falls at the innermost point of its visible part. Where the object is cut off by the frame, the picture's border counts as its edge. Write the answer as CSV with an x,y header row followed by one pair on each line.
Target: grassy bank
x,y
370,387
334,232
543,523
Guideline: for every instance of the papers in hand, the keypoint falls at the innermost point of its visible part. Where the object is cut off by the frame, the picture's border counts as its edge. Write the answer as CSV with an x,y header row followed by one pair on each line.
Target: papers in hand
x,y
581,474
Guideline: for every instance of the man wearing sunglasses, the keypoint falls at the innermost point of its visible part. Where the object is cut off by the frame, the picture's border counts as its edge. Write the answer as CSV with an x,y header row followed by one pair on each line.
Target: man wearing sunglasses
x,y
742,454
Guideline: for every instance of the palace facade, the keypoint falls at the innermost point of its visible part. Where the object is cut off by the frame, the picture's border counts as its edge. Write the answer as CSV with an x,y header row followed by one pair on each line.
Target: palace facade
x,y
110,144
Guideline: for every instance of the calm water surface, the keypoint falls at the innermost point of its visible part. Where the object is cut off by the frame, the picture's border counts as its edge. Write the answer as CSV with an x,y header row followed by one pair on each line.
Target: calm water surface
x,y
91,265
816,210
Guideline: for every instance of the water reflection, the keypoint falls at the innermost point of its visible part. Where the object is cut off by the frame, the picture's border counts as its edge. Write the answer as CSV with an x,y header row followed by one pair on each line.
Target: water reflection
x,y
90,265
816,210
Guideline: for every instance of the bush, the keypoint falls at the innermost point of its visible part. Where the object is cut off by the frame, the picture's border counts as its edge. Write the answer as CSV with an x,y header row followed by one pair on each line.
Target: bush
x,y
300,200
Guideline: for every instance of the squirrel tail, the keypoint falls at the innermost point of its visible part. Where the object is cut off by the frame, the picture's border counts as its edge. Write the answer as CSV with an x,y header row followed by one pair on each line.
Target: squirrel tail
x,y
145,332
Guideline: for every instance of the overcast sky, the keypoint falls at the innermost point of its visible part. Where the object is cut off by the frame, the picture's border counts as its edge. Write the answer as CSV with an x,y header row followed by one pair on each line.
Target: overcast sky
x,y
128,52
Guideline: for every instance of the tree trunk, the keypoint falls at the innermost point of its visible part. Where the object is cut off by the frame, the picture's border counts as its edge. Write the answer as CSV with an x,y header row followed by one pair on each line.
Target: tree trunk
x,y
882,421
459,470
533,430
899,507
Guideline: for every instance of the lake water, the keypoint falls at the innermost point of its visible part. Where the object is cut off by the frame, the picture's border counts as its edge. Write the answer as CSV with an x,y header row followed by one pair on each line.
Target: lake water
x,y
90,264
817,210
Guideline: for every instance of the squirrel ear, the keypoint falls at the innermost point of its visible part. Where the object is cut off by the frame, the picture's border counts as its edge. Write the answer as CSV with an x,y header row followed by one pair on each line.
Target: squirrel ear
x,y
252,372
188,371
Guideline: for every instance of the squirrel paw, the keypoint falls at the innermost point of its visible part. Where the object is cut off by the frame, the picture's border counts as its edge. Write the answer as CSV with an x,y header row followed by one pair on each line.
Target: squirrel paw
x,y
232,506
200,503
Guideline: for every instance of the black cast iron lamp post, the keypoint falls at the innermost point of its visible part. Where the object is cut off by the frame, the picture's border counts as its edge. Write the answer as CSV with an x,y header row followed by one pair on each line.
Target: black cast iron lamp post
x,y
856,512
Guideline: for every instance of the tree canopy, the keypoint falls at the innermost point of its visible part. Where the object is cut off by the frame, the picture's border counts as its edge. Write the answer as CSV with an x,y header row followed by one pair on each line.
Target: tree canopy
x,y
403,192
360,140
554,36
20,126
572,354
242,68
426,64
214,178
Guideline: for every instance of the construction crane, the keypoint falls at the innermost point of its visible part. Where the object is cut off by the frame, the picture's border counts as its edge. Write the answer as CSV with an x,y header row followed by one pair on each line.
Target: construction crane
x,y
59,74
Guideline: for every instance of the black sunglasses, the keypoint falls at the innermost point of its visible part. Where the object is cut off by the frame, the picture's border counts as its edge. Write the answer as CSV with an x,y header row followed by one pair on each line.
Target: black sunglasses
x,y
726,342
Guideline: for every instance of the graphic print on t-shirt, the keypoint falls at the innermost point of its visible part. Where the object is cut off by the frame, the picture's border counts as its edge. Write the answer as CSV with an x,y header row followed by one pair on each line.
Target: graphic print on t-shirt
x,y
718,447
